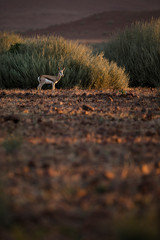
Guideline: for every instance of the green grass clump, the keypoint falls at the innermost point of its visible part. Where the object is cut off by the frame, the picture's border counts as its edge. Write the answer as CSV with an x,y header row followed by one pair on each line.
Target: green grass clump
x,y
138,50
24,59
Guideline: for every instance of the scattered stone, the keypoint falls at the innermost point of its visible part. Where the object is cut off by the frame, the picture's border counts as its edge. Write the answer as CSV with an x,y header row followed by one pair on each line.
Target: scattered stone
x,y
145,169
39,120
45,165
31,164
149,115
12,118
157,164
87,108
28,94
2,94
111,99
109,175
143,110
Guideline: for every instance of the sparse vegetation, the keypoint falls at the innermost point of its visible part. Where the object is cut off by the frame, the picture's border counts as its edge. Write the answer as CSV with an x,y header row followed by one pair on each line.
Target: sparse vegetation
x,y
5,212
140,228
138,50
12,144
22,61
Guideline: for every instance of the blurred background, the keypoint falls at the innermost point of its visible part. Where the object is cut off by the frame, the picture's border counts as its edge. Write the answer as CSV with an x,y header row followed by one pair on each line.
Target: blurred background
x,y
87,20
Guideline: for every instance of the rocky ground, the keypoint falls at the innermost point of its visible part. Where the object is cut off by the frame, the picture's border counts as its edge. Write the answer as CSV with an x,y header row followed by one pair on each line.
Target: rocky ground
x,y
80,164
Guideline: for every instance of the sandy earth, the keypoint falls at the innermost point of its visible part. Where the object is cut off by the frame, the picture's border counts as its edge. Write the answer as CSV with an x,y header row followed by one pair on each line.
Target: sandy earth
x,y
97,19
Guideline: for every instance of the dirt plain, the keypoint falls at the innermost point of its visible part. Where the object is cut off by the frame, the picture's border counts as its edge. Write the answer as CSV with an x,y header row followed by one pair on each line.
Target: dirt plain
x,y
76,163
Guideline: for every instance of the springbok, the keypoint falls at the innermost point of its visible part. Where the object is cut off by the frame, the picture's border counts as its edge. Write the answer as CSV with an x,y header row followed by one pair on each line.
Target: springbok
x,y
49,79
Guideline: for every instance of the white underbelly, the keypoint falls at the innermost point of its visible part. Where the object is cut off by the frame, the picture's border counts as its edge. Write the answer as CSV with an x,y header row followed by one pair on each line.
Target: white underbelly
x,y
48,81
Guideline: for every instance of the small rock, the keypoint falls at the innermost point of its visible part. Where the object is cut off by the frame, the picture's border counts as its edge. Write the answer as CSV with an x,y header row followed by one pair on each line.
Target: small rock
x,y
87,108
149,115
143,110
111,99
2,94
12,118
109,175
45,165
31,164
157,164
145,169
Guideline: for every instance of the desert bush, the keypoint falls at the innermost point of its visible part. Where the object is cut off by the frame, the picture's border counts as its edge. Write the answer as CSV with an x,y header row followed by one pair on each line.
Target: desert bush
x,y
138,50
25,60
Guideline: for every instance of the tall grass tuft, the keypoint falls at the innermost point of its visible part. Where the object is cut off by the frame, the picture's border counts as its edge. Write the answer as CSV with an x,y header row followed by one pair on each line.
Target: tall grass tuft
x,y
22,60
7,40
138,50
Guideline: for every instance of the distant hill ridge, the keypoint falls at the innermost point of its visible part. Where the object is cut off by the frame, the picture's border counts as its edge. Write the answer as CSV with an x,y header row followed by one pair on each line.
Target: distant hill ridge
x,y
96,27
